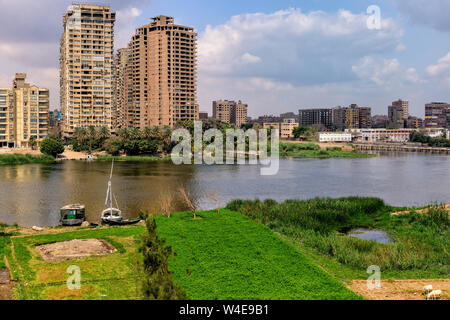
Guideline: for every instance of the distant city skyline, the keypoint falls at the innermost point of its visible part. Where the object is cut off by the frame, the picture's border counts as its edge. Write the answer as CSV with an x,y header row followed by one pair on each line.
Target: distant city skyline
x,y
275,69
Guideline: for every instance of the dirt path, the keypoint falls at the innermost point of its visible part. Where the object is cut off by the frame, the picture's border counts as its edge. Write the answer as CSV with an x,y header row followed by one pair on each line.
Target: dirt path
x,y
6,285
401,289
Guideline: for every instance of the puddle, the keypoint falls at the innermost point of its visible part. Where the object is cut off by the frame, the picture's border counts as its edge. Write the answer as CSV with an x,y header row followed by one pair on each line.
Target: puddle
x,y
379,236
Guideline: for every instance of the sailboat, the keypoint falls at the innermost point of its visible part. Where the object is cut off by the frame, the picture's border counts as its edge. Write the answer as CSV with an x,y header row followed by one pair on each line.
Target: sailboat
x,y
113,215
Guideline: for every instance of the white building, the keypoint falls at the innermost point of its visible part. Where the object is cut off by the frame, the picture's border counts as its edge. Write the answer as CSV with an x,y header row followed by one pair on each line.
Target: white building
x,y
335,137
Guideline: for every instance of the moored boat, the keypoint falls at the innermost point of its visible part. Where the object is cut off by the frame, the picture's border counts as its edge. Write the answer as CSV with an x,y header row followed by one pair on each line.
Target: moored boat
x,y
73,215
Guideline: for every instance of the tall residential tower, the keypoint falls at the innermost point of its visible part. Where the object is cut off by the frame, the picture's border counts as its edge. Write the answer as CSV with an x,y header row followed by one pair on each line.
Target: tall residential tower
x,y
86,58
163,73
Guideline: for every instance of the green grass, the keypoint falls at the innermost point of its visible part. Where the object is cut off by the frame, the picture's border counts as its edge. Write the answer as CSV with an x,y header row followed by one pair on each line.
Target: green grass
x,y
15,158
110,276
229,256
311,150
4,241
317,227
132,159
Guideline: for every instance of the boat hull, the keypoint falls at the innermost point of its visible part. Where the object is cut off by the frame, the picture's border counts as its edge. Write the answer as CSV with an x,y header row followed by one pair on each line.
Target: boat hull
x,y
72,222
121,223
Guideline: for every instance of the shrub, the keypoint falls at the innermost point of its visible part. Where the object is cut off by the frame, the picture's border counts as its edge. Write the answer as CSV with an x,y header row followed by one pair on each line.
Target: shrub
x,y
157,283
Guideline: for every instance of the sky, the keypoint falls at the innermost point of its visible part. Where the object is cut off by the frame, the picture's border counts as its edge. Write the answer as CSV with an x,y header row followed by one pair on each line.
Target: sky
x,y
276,55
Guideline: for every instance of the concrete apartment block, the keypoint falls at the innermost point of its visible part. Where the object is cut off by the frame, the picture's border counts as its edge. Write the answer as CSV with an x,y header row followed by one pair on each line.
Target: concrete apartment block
x,y
24,113
163,73
86,72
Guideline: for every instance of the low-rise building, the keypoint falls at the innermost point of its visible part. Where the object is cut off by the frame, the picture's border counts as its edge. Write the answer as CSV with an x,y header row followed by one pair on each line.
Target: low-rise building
x,y
335,137
203,115
385,135
285,128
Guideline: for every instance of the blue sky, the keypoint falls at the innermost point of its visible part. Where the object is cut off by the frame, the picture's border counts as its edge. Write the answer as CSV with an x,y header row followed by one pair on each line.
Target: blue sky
x,y
277,56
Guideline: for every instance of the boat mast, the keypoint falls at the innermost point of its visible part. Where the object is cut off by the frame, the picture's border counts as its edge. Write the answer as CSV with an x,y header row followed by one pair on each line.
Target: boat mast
x,y
109,191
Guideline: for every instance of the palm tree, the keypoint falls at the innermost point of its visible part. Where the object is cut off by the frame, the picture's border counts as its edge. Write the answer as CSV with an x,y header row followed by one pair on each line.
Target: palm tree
x,y
103,134
80,135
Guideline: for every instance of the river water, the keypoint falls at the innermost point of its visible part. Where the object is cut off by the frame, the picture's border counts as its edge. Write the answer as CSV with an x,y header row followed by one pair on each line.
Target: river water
x,y
32,194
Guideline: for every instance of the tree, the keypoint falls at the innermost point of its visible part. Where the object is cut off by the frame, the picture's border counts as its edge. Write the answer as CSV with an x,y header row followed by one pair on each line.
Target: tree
x,y
300,132
166,202
81,136
103,134
113,146
189,200
148,147
157,282
52,147
32,143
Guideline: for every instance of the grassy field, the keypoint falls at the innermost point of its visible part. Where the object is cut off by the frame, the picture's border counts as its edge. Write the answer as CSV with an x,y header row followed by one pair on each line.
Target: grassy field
x,y
317,228
15,158
311,150
228,256
110,276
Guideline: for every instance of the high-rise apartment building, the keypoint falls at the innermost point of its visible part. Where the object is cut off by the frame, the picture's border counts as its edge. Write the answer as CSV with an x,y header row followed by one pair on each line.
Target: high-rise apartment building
x,y
353,117
315,117
230,112
24,113
339,115
6,118
163,73
437,115
86,58
404,105
239,114
221,110
357,117
395,115
124,115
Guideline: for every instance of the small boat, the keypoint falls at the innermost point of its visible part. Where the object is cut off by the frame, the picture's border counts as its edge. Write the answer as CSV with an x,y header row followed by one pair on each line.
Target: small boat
x,y
73,215
111,215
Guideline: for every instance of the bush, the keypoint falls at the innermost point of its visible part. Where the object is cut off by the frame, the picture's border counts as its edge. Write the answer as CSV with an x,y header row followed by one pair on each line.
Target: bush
x,y
52,147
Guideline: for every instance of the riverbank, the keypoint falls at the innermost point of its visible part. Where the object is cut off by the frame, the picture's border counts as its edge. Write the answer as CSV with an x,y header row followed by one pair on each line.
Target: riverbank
x,y
211,267
132,158
315,151
270,245
319,227
396,147
17,158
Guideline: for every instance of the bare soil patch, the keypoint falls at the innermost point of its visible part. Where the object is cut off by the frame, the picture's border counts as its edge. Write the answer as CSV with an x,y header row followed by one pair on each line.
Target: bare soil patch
x,y
74,249
401,289
446,207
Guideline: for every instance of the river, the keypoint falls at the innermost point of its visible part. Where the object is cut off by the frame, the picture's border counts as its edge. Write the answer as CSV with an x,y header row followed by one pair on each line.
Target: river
x,y
31,195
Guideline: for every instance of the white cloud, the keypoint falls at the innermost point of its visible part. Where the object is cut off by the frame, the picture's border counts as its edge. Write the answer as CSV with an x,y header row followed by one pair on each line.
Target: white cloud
x,y
441,67
385,72
249,58
125,26
297,59
302,48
